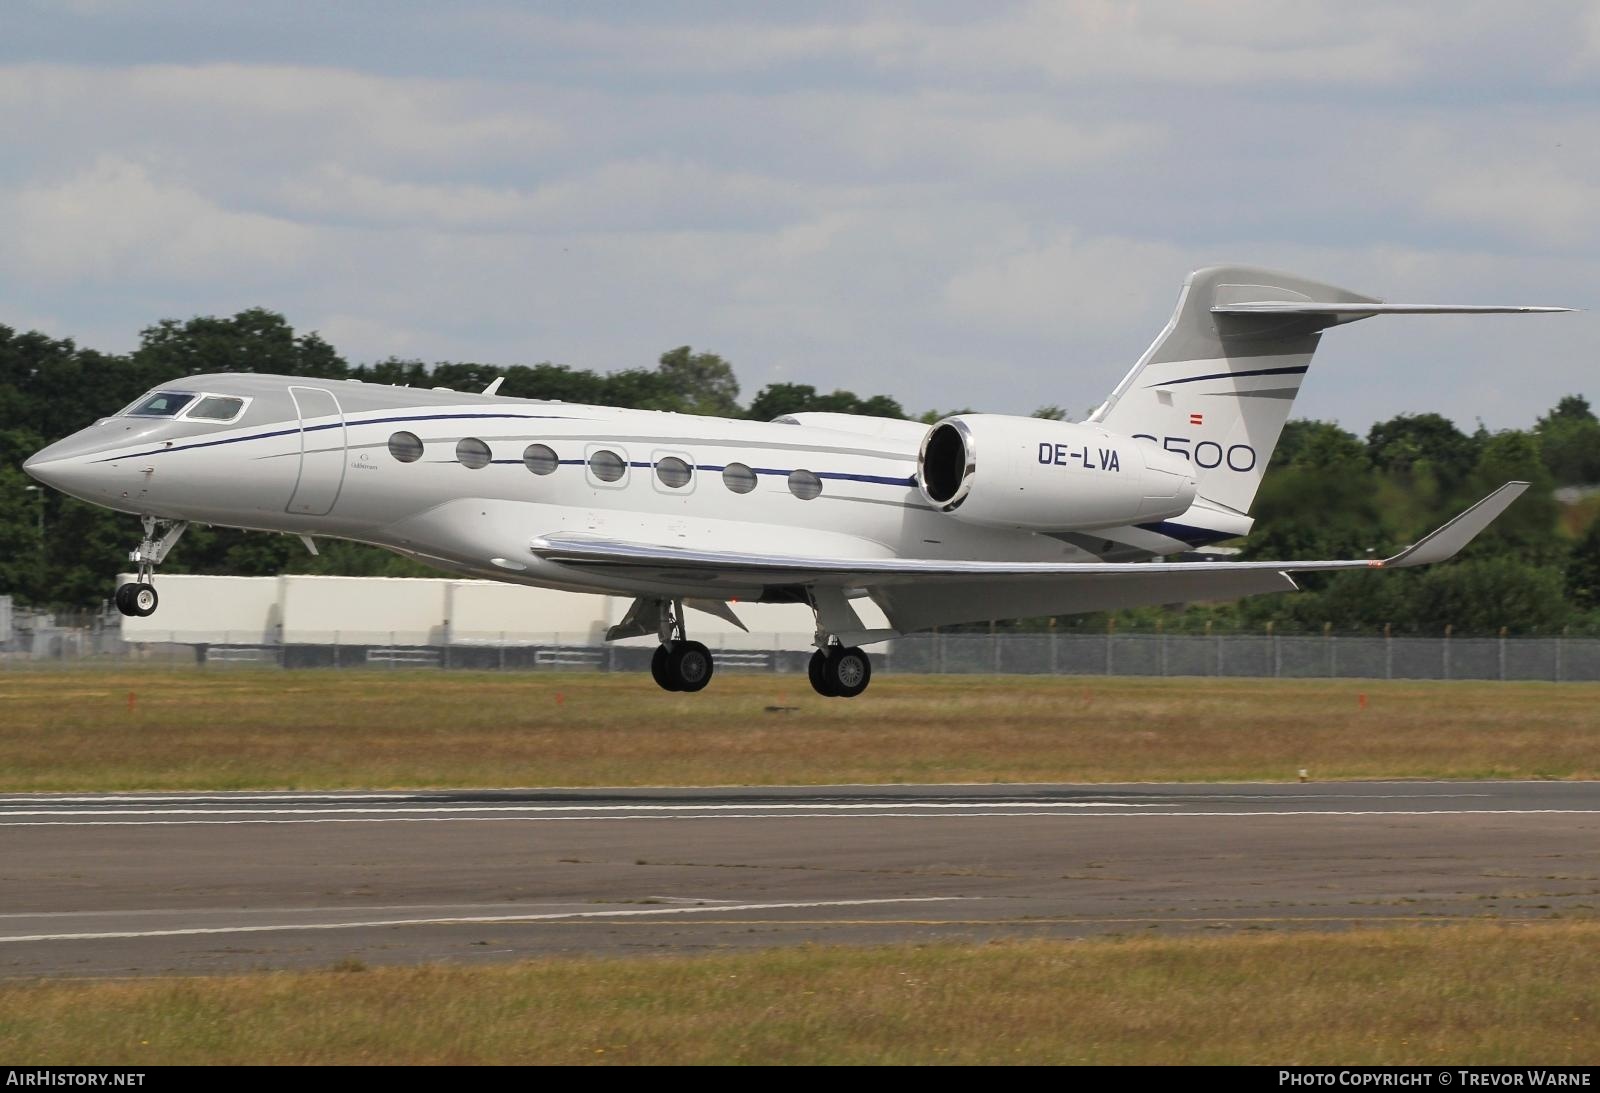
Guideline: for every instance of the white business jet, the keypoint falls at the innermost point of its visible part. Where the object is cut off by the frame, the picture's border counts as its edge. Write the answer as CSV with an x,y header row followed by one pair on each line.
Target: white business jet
x,y
980,516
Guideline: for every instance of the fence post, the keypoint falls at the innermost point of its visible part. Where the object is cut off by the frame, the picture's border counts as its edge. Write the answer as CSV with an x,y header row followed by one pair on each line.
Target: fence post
x,y
1388,651
1055,661
1502,652
994,647
938,652
1561,646
1272,645
1448,628
336,648
1327,644
1111,629
502,650
1161,638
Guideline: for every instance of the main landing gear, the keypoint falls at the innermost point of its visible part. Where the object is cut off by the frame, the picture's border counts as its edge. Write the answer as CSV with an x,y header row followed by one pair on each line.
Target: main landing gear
x,y
138,598
836,670
839,671
679,664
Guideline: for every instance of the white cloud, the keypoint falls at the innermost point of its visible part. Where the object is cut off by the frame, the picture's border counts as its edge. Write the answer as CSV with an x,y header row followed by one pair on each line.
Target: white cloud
x,y
991,208
1068,286
116,220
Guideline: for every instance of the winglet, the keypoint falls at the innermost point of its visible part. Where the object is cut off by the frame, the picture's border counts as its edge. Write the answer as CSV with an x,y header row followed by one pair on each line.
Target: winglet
x,y
494,385
1446,541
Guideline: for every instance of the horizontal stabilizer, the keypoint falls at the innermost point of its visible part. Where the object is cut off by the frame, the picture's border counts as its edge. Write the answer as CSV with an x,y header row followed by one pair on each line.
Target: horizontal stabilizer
x,y
1350,312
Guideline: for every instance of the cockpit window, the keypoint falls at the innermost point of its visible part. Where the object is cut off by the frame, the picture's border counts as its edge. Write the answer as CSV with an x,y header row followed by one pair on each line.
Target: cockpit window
x,y
162,404
215,408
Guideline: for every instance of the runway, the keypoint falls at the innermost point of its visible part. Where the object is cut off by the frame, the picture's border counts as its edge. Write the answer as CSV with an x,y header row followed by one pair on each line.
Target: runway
x,y
143,884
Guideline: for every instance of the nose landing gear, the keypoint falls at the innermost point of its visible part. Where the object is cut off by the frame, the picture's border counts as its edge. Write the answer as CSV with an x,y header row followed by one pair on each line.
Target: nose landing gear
x,y
138,598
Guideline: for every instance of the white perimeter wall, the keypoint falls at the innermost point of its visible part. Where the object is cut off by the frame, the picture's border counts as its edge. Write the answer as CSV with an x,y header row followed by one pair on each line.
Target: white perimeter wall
x,y
304,610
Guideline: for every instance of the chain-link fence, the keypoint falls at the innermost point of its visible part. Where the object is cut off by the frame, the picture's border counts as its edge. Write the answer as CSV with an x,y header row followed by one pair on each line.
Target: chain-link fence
x,y
56,640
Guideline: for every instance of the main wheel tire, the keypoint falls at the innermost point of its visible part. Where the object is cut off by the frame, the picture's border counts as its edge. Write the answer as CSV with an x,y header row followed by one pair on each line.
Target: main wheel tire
x,y
690,665
817,669
848,671
659,671
138,600
144,600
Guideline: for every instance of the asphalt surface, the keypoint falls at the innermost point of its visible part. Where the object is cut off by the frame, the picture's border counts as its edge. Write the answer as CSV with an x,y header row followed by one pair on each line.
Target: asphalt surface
x,y
146,884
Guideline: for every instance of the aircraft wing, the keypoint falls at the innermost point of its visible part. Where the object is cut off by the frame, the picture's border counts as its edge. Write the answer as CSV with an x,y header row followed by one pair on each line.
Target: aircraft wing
x,y
1362,311
744,568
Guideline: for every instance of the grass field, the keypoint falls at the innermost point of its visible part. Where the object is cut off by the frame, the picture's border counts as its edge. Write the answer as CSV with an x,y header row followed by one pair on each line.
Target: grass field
x,y
163,729
1449,995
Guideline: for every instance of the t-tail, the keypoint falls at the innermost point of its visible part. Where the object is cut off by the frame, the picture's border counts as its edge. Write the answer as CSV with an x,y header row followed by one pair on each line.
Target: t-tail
x,y
1221,378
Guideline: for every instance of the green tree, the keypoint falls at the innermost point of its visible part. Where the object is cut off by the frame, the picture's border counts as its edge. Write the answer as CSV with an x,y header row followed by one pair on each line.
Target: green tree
x,y
254,340
1583,570
779,399
1569,438
1480,595
1420,445
704,381
1528,530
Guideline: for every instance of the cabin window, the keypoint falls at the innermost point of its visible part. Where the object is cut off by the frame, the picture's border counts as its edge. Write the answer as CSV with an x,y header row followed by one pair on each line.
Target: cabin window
x,y
608,466
406,447
673,472
805,485
215,408
540,459
738,478
472,452
162,404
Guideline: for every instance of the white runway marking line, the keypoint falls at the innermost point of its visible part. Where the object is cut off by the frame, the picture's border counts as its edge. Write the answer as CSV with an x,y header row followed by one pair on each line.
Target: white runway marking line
x,y
803,806
469,920
681,817
439,800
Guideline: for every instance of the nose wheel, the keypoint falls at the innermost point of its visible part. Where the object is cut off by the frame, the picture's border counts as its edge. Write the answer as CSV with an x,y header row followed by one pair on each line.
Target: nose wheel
x,y
138,598
839,671
679,664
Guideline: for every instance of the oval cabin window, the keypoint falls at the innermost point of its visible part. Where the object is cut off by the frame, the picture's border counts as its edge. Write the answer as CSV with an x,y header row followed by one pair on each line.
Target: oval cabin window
x,y
607,466
472,452
673,472
540,459
406,447
805,485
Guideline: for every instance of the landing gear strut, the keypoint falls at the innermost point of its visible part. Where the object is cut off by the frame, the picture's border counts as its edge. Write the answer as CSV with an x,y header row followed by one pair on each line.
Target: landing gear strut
x,y
139,598
678,663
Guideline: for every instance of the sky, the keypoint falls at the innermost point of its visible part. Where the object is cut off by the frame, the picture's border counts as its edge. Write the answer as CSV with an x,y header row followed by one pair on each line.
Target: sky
x,y
987,205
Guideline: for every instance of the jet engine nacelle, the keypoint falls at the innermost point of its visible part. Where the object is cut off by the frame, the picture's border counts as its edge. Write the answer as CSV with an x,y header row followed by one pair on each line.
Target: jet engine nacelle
x,y
1023,472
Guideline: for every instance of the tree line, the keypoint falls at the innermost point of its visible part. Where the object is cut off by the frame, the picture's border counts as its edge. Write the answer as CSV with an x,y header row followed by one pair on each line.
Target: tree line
x,y
1328,493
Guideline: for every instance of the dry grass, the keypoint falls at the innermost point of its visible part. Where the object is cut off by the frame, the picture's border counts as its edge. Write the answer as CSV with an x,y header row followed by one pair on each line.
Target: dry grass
x,y
74,730
1478,994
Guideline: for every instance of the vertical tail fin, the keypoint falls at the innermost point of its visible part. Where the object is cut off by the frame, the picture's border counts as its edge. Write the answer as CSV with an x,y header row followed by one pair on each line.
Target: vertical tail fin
x,y
1218,385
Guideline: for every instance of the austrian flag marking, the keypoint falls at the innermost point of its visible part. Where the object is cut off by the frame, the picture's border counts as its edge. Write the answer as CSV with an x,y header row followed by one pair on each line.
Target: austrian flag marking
x,y
1197,419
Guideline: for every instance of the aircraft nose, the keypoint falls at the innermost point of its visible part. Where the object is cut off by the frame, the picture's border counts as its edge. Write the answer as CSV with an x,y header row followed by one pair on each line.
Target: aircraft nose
x,y
66,466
